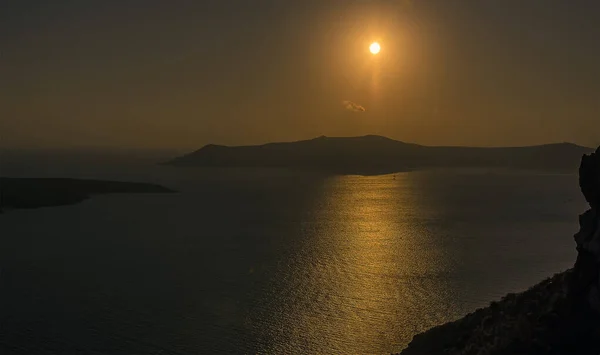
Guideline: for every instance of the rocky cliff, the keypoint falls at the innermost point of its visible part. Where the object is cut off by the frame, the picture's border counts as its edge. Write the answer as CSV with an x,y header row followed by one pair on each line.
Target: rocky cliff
x,y
560,315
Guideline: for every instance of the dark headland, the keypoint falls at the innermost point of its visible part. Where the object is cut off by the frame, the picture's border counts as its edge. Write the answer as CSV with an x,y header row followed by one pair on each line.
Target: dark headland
x,y
560,315
372,155
39,192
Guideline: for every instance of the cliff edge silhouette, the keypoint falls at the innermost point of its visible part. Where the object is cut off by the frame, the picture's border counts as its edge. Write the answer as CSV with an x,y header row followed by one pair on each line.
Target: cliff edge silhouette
x,y
560,315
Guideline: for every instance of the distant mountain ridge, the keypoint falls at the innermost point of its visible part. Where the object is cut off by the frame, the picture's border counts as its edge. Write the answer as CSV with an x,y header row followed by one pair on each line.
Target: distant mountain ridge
x,y
371,154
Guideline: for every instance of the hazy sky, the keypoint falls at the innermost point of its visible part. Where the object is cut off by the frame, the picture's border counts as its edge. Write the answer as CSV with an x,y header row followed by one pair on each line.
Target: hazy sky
x,y
181,74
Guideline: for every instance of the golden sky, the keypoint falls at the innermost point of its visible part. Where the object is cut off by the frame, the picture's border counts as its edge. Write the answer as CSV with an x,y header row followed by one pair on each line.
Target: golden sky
x,y
181,74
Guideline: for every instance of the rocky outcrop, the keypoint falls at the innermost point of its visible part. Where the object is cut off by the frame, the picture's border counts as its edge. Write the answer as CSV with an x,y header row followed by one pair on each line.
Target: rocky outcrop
x,y
584,285
558,316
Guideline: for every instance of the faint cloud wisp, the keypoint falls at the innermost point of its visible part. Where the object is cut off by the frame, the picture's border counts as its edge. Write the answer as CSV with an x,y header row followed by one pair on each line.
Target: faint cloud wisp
x,y
353,106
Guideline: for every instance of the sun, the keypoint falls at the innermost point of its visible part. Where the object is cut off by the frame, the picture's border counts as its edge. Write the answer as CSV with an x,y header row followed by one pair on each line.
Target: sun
x,y
375,48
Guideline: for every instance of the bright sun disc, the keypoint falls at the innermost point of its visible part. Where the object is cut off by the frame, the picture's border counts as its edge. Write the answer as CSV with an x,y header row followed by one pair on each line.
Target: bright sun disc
x,y
375,48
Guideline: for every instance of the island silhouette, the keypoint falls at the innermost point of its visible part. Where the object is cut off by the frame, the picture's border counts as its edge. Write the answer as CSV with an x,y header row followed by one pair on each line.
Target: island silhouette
x,y
26,193
374,155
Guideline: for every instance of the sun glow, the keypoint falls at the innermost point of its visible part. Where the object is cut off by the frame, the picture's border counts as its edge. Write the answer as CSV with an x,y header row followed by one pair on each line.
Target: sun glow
x,y
375,48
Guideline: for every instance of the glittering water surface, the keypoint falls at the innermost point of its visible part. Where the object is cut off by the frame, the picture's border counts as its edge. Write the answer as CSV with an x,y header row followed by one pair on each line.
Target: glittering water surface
x,y
276,262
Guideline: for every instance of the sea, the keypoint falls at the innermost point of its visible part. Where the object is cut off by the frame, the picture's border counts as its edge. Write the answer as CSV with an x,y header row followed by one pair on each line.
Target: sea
x,y
268,261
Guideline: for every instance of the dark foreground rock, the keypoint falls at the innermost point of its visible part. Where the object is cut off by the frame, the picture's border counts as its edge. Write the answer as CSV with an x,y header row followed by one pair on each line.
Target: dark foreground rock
x,y
560,315
537,321
37,192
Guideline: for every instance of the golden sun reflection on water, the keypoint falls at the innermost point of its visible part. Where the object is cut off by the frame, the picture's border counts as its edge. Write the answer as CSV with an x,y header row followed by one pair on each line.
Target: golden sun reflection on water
x,y
371,264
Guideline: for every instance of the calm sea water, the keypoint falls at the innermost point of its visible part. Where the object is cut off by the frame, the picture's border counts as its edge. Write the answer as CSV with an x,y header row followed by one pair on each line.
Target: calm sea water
x,y
275,262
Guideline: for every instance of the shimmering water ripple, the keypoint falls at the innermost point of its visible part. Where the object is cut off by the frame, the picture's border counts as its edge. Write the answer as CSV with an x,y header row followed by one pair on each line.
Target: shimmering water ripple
x,y
277,263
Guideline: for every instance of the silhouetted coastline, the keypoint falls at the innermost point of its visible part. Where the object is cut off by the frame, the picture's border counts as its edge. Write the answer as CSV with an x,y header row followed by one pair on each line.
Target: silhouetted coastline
x,y
25,193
